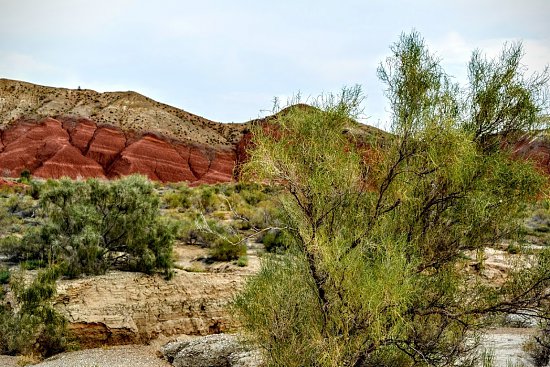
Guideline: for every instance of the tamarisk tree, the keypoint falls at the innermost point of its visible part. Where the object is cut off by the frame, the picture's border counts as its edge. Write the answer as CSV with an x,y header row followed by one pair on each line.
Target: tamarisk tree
x,y
389,230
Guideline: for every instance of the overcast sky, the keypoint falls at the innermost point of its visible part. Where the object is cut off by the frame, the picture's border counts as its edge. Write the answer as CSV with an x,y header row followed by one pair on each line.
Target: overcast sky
x,y
227,60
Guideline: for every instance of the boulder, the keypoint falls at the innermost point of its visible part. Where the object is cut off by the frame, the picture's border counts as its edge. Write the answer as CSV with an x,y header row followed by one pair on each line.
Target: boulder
x,y
218,350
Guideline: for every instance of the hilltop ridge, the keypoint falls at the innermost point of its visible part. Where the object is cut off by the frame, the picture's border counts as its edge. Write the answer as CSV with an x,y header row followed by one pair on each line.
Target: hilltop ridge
x,y
129,111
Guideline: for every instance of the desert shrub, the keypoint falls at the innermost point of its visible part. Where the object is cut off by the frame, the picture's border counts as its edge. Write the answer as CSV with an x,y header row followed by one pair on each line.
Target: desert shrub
x,y
186,228
263,214
376,267
205,198
242,261
276,240
25,176
538,347
92,226
252,195
224,243
227,248
30,323
179,198
4,275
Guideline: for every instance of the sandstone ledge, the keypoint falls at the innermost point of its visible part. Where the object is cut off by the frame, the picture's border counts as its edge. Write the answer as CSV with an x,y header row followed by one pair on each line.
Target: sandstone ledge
x,y
122,308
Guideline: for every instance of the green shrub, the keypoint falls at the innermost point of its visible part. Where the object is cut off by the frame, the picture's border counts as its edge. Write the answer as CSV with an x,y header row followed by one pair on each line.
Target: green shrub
x,y
32,325
538,347
179,198
25,176
91,226
227,249
375,274
205,198
242,261
4,275
276,240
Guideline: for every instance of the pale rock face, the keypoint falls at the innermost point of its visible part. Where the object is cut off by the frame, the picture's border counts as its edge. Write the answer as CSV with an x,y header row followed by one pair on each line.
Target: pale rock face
x,y
122,307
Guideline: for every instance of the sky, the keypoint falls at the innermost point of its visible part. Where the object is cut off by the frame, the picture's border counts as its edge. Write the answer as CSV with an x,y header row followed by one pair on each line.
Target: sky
x,y
228,60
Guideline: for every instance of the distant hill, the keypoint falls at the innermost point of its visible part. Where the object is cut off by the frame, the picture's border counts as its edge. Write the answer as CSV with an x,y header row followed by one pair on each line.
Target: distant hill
x,y
129,111
55,132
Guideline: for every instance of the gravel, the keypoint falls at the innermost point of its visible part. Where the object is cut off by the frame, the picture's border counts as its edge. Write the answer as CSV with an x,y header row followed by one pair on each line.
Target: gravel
x,y
121,356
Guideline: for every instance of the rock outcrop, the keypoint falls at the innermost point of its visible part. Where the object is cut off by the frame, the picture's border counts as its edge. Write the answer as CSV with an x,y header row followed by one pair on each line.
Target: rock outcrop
x,y
53,148
122,308
54,132
219,350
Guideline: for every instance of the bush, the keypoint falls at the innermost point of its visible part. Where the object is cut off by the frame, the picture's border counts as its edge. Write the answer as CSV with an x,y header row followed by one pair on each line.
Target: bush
x,y
32,324
4,275
179,198
92,226
205,198
276,240
25,176
375,275
227,249
538,347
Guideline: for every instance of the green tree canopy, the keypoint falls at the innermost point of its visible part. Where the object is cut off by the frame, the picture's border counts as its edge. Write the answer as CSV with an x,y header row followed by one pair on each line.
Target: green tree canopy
x,y
380,272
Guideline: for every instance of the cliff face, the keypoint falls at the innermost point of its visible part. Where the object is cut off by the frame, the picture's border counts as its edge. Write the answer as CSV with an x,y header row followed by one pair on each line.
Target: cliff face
x,y
55,132
52,148
122,308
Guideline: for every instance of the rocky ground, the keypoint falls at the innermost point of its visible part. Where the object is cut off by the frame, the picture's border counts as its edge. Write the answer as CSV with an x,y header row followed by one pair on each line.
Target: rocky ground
x,y
507,345
220,350
118,356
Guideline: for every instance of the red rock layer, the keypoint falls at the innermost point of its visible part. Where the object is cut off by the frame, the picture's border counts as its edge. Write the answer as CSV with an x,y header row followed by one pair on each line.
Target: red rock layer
x,y
106,145
69,162
77,147
82,134
536,149
155,158
220,169
28,147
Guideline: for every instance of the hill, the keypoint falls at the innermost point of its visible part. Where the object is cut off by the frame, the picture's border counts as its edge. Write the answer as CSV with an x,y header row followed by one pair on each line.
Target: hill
x,y
54,132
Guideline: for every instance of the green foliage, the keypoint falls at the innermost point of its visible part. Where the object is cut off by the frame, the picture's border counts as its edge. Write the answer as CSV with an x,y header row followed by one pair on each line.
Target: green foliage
x,y
376,266
25,176
280,304
224,249
538,347
31,324
503,100
223,241
4,275
537,226
179,198
242,261
91,226
276,240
